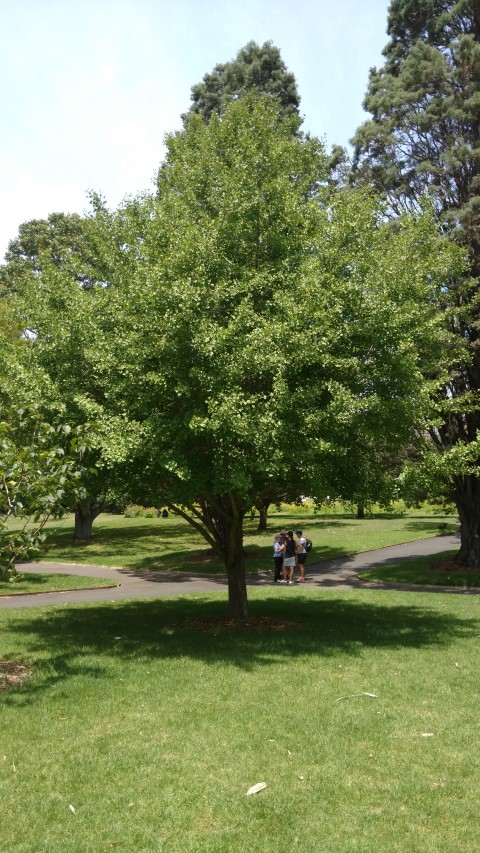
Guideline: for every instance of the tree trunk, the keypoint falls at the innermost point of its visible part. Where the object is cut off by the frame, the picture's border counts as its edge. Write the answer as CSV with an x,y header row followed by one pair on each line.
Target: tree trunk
x,y
232,523
85,514
219,519
237,585
467,500
262,507
360,511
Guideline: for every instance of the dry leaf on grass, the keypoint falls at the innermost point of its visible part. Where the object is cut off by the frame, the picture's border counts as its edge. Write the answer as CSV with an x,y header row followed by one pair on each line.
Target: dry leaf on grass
x,y
255,789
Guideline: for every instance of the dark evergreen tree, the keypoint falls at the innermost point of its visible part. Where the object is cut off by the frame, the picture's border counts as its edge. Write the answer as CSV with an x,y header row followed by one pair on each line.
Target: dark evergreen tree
x,y
255,67
424,136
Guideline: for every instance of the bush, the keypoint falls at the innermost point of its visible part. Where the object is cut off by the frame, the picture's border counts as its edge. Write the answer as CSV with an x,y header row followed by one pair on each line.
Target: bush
x,y
136,511
133,511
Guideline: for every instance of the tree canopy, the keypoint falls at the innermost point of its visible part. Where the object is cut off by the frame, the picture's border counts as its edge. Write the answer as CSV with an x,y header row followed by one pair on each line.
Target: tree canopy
x,y
424,102
55,277
39,452
264,325
423,138
254,332
255,68
66,241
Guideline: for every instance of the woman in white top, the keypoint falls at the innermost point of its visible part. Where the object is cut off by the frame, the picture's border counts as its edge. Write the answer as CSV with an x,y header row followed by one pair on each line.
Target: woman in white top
x,y
278,556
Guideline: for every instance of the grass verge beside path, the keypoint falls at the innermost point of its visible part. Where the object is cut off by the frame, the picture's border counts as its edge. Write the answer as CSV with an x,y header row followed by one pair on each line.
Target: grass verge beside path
x,y
424,571
171,544
138,734
33,583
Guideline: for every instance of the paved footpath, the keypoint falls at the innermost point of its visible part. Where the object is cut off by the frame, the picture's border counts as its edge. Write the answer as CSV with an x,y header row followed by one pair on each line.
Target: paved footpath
x,y
340,573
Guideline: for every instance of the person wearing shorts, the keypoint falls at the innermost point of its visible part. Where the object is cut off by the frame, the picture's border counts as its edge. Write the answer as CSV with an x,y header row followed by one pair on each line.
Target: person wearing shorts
x,y
301,553
289,557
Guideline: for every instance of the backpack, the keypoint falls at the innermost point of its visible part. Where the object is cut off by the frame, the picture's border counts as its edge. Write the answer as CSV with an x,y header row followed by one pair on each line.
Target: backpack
x,y
308,544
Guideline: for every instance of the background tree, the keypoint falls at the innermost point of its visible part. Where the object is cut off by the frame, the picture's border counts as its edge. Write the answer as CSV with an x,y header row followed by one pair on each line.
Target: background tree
x,y
424,137
255,68
57,278
264,324
39,473
39,459
66,241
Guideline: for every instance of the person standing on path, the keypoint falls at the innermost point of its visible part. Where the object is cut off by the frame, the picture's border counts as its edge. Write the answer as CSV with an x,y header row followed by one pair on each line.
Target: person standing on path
x,y
301,553
289,556
278,543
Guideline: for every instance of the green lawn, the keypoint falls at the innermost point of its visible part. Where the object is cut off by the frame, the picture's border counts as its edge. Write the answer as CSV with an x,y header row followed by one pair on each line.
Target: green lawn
x,y
33,583
171,544
137,734
417,571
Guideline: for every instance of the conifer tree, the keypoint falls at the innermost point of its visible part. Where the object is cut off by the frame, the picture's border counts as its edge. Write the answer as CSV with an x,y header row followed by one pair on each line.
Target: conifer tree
x,y
424,137
255,68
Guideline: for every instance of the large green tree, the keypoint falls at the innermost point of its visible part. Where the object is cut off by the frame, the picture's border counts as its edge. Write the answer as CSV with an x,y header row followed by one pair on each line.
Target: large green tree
x,y
257,68
56,277
39,452
263,325
67,241
424,137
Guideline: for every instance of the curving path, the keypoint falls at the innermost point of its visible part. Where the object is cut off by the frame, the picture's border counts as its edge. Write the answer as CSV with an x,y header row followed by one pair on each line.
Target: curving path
x,y
340,573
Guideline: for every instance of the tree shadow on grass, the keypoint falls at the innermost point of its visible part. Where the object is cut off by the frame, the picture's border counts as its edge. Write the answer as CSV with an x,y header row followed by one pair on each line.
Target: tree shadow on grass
x,y
73,640
123,545
432,526
118,539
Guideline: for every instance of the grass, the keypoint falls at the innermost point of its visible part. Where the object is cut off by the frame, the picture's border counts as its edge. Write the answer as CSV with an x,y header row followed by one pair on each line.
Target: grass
x,y
152,739
171,544
33,583
417,571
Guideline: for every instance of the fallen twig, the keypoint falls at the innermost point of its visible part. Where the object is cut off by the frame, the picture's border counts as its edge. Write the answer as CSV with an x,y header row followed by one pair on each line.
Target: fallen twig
x,y
352,696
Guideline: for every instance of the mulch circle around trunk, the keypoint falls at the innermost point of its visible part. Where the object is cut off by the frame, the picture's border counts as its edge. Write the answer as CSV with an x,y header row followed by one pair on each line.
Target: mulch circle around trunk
x,y
12,674
449,565
253,624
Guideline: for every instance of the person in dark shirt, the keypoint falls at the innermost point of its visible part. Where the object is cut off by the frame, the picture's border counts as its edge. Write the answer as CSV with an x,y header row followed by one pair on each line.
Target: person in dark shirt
x,y
289,557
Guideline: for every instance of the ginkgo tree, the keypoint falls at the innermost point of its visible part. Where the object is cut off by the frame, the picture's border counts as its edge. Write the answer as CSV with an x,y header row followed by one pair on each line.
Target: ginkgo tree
x,y
264,323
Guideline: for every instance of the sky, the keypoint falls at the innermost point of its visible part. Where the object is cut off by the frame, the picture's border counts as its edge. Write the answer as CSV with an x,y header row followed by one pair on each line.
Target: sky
x,y
89,88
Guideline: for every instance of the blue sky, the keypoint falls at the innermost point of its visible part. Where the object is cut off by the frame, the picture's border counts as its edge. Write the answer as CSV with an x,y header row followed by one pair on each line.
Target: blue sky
x,y
89,88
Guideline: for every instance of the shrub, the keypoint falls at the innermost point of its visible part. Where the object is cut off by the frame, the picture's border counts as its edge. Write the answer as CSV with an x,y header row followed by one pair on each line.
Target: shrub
x,y
136,511
133,511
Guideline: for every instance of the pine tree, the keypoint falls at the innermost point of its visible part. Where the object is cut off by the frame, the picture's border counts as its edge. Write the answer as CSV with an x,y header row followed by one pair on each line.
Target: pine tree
x,y
255,67
424,137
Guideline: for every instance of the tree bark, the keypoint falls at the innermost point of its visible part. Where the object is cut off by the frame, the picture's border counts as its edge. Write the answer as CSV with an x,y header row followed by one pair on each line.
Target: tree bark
x,y
360,511
262,507
219,519
235,565
467,500
237,588
85,514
